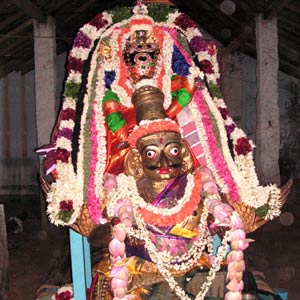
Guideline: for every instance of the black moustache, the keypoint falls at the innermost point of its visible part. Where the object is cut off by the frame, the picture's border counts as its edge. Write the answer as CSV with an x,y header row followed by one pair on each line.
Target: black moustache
x,y
174,166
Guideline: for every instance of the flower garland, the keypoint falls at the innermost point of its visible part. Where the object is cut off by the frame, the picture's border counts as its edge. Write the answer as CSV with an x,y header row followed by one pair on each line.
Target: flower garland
x,y
64,293
238,178
163,217
68,187
166,261
251,193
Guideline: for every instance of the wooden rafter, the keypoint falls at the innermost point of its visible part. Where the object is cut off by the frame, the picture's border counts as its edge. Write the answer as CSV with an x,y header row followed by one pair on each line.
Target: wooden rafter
x,y
7,21
16,30
275,8
30,9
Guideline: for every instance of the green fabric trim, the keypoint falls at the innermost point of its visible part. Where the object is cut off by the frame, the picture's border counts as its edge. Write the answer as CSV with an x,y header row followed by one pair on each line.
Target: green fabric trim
x,y
214,90
182,96
115,121
216,130
184,43
110,95
72,89
87,146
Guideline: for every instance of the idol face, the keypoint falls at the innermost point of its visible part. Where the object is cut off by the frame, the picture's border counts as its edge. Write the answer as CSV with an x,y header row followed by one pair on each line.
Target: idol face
x,y
161,155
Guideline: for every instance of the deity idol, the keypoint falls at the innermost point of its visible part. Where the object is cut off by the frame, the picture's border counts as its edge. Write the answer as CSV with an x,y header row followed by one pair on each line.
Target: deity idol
x,y
147,161
167,213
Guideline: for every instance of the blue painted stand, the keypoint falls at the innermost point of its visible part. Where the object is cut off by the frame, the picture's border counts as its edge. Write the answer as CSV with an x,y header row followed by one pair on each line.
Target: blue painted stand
x,y
81,264
282,293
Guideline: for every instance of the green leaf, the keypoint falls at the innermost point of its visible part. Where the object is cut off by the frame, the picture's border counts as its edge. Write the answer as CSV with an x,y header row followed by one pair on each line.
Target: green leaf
x,y
261,211
72,89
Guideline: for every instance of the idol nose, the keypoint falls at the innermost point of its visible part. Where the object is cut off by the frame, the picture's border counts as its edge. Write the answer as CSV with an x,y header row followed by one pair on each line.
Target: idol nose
x,y
163,160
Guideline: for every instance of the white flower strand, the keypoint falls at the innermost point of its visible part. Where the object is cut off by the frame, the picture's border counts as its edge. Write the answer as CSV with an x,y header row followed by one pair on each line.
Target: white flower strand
x,y
127,189
159,257
169,260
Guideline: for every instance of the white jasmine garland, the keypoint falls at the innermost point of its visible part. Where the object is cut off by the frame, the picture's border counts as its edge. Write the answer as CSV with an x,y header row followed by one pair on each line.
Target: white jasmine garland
x,y
195,72
171,19
61,190
91,31
127,189
165,261
64,143
144,82
69,103
167,52
74,77
101,136
192,32
67,124
183,262
80,53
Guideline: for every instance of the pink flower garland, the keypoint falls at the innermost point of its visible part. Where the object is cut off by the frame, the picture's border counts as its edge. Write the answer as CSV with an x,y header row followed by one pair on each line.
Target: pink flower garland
x,y
119,271
224,216
93,202
216,156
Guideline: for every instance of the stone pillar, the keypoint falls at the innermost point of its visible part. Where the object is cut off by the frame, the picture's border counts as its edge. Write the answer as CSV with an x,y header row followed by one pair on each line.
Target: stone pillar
x,y
45,91
267,130
45,78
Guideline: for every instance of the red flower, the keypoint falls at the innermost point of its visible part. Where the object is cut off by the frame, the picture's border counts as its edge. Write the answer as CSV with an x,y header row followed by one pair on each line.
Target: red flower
x,y
66,205
67,295
242,146
98,21
185,22
62,155
75,64
68,114
224,112
207,66
211,48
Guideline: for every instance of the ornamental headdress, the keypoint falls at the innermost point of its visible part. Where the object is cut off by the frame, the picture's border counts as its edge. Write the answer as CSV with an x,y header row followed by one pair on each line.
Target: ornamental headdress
x,y
116,58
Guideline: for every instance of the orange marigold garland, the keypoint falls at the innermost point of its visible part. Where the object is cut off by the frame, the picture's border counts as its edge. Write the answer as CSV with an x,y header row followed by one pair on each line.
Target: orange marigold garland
x,y
153,218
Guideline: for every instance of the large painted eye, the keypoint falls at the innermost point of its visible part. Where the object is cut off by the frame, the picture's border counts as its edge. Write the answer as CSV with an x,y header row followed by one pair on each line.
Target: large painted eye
x,y
150,154
174,151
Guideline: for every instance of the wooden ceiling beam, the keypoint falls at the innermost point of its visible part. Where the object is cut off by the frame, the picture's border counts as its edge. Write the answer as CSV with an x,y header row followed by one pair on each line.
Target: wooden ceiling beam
x,y
288,21
275,8
12,18
217,8
286,38
16,48
15,31
289,68
30,9
10,47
